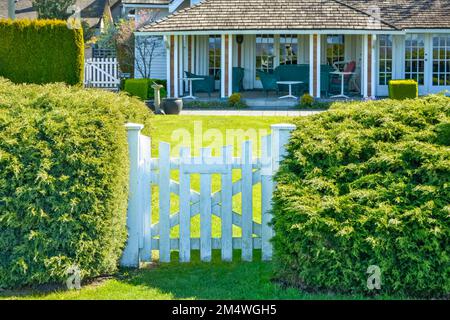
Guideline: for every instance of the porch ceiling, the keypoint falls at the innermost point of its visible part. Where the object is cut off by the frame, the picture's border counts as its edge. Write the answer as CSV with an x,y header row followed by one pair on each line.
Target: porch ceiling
x,y
234,15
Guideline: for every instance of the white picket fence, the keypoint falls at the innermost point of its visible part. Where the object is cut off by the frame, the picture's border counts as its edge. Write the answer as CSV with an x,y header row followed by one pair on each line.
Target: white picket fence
x,y
144,237
101,73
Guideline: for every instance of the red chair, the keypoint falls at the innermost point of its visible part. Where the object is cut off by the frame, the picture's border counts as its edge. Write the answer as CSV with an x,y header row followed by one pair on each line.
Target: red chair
x,y
335,81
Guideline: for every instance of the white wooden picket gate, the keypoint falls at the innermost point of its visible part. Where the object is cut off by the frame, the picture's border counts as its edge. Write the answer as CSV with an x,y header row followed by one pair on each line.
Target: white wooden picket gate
x,y
145,237
101,73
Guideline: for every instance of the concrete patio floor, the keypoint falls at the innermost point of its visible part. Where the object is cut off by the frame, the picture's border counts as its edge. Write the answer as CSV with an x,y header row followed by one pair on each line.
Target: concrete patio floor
x,y
259,100
251,112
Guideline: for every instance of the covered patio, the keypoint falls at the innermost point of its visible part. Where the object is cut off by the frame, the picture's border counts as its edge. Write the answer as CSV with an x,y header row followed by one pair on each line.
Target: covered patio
x,y
271,54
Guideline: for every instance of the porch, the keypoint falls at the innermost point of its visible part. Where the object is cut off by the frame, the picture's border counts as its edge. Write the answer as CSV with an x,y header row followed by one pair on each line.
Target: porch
x,y
262,67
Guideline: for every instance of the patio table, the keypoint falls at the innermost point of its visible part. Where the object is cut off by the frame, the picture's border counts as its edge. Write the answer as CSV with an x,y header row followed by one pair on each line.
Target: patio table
x,y
342,74
189,80
289,83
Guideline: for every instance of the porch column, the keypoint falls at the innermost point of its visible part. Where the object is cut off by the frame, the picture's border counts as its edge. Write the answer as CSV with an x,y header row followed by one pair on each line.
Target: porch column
x,y
172,66
314,65
368,68
373,65
190,60
226,66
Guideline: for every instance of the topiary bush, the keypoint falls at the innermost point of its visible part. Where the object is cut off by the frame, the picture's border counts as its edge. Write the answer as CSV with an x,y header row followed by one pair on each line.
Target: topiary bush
x,y
63,180
367,184
142,88
41,51
403,89
137,88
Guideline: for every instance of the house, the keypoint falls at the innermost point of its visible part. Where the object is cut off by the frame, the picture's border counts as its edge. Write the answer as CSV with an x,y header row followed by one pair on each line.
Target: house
x,y
93,12
376,40
150,51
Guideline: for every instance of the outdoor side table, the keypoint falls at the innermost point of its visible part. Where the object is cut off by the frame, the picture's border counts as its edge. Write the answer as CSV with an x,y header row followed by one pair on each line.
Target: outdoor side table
x,y
189,80
289,83
343,74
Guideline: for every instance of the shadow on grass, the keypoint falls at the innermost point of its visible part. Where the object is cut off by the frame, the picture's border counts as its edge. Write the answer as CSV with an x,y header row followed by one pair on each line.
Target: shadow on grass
x,y
217,279
194,280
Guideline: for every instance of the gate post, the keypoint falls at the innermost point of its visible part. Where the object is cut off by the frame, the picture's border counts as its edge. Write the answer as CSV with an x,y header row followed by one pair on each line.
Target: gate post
x,y
130,256
280,137
273,151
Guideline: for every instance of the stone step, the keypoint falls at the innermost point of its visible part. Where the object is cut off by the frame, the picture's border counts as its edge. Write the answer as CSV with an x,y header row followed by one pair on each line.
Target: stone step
x,y
271,102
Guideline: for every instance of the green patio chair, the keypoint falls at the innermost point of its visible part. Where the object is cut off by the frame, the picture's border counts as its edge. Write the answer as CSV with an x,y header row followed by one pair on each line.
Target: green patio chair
x,y
325,70
238,77
293,72
268,80
205,85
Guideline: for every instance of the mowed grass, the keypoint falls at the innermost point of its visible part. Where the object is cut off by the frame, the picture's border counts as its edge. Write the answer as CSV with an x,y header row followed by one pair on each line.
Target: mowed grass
x,y
194,280
189,281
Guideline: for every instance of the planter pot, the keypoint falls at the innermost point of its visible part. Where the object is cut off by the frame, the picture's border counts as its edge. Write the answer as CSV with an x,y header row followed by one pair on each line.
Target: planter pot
x,y
172,105
150,104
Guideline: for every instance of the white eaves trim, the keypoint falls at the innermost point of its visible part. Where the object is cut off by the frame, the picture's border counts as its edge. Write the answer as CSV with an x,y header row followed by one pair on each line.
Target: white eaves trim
x,y
153,6
427,30
264,31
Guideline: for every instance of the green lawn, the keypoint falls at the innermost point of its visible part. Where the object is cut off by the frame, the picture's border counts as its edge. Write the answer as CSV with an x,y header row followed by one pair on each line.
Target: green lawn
x,y
194,280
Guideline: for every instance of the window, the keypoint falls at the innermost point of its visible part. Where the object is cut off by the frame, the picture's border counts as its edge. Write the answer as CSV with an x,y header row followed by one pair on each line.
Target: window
x,y
441,60
288,49
415,58
335,49
214,56
385,60
265,53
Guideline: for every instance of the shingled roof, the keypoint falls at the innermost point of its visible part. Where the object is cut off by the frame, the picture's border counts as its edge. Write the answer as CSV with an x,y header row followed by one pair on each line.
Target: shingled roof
x,y
267,14
247,15
409,14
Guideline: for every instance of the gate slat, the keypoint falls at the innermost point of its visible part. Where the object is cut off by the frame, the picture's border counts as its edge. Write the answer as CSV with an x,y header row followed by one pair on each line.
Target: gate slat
x,y
247,202
227,206
266,198
185,210
205,210
164,202
145,187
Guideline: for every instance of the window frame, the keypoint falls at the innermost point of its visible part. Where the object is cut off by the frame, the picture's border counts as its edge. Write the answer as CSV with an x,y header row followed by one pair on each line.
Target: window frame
x,y
332,48
266,40
214,55
385,59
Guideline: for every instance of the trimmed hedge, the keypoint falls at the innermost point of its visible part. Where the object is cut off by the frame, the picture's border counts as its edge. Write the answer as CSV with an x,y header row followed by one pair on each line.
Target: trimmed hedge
x,y
41,51
403,89
367,184
142,88
63,180
137,88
